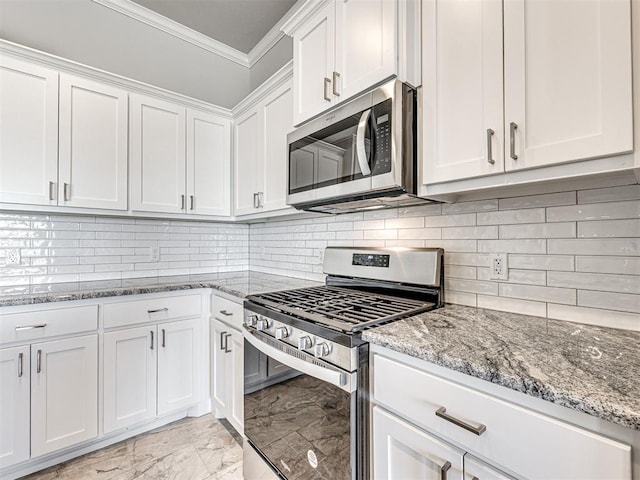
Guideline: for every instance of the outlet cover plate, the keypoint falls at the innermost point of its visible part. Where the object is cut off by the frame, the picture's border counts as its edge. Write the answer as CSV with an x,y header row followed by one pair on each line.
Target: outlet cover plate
x,y
498,267
154,254
13,257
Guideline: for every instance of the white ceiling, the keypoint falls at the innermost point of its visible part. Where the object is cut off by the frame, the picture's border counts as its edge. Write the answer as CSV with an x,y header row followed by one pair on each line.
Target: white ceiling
x,y
239,24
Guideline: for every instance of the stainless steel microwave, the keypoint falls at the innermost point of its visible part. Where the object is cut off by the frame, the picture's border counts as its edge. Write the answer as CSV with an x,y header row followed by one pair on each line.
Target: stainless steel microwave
x,y
360,156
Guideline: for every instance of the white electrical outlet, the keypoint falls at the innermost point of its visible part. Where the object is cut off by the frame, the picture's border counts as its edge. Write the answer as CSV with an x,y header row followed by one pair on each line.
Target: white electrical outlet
x,y
13,257
321,255
499,268
154,254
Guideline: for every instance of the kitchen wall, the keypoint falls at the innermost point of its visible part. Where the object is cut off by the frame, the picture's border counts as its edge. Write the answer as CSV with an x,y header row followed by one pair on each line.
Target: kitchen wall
x,y
272,61
92,34
64,248
573,255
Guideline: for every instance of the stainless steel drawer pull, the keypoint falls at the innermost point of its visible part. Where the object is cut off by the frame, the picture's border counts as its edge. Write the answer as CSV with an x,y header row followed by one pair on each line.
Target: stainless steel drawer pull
x,y
225,313
164,338
38,361
192,202
226,343
336,75
223,347
256,200
67,192
512,139
444,469
327,82
29,327
158,310
260,199
20,364
51,191
490,159
181,202
151,332
442,413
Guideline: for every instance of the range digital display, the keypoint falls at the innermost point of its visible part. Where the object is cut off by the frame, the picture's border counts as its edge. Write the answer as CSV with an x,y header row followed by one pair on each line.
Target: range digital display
x,y
370,260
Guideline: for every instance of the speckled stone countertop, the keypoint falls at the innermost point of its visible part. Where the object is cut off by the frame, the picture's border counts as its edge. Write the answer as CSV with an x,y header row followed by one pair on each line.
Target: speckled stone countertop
x,y
594,370
238,284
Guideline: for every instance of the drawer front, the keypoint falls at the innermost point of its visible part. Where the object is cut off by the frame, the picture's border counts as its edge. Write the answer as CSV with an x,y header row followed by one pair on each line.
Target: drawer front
x,y
227,311
37,324
151,310
530,444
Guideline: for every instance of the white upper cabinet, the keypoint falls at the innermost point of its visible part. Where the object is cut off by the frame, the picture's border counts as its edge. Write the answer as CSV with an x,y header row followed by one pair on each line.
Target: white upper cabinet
x,y
567,93
208,163
261,155
158,155
462,89
567,80
343,47
28,132
93,144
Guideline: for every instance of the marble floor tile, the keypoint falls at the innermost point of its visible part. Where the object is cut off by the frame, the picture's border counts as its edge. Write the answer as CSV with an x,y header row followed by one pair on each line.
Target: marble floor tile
x,y
201,448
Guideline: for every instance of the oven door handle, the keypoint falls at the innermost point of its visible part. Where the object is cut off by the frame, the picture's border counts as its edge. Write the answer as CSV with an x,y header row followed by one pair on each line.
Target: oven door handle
x,y
343,380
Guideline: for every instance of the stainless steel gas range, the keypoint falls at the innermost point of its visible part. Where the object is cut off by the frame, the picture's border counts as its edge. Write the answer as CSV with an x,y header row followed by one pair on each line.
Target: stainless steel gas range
x,y
306,367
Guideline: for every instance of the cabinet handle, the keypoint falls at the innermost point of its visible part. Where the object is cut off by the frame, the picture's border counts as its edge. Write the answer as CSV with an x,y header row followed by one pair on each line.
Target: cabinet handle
x,y
225,313
151,332
67,192
20,364
512,139
164,338
479,430
444,469
223,339
51,191
336,76
38,361
260,199
191,202
165,309
256,201
226,343
29,327
490,159
181,202
327,82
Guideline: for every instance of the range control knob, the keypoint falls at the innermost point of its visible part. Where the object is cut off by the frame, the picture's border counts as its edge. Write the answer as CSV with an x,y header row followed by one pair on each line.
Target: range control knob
x,y
282,332
322,350
263,323
251,320
304,343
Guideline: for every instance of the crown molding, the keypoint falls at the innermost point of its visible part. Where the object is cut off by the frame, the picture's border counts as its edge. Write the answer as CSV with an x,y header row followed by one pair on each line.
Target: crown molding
x,y
304,10
155,20
68,66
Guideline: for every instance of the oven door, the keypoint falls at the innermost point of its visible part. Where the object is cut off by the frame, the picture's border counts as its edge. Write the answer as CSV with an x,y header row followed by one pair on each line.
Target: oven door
x,y
300,421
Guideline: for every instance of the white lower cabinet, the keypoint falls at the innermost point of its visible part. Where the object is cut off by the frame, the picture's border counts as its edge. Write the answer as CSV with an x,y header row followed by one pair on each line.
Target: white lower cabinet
x,y
14,405
402,451
149,371
64,393
432,414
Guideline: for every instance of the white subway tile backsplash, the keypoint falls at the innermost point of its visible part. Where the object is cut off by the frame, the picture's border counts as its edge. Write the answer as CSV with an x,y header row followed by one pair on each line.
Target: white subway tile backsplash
x,y
421,211
507,217
610,194
595,281
596,211
547,200
622,265
488,232
539,230
405,222
513,246
460,298
542,262
589,246
542,294
594,316
526,307
623,302
530,277
457,220
459,271
470,207
420,233
471,286
609,229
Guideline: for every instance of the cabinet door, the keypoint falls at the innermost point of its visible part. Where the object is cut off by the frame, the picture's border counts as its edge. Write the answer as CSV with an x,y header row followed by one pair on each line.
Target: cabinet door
x,y
476,470
129,377
313,65
462,89
157,155
64,393
208,164
277,122
93,144
235,380
14,405
179,365
28,132
401,451
567,80
365,44
246,151
219,332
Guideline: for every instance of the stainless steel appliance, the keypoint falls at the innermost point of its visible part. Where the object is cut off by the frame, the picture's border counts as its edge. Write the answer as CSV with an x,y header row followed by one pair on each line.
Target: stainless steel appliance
x,y
306,410
359,156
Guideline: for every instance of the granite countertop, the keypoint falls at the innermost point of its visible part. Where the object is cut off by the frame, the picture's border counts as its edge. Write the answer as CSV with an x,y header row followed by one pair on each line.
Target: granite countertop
x,y
239,284
590,369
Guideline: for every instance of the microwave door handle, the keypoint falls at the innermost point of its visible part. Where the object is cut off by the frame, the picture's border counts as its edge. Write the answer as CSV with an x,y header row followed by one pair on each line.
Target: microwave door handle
x,y
361,152
342,380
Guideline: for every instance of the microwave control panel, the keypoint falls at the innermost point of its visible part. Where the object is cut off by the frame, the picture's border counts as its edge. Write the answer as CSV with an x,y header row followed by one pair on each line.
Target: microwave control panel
x,y
381,129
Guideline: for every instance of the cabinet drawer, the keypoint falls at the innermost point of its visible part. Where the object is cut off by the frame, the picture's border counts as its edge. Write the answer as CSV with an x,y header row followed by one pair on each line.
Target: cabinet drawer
x,y
27,326
517,439
151,310
227,311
